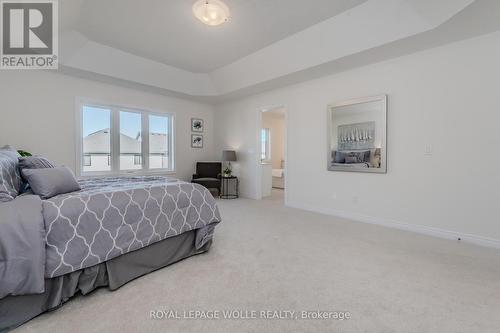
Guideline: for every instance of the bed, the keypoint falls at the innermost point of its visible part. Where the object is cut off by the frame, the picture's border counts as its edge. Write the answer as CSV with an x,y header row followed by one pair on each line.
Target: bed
x,y
110,232
353,165
356,159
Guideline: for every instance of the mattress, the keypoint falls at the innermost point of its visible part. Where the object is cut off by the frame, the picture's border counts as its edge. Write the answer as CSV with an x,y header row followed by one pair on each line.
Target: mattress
x,y
113,216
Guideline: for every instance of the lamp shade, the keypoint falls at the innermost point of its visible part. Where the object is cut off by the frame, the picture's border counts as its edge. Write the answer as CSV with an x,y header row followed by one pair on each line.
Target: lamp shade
x,y
229,155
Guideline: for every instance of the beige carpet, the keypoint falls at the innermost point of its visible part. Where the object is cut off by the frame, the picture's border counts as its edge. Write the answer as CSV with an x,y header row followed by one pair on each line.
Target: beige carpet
x,y
267,257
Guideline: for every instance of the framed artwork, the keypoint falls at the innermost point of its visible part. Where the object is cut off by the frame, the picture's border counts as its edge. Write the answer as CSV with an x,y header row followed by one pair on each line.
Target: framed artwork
x,y
196,141
197,125
357,137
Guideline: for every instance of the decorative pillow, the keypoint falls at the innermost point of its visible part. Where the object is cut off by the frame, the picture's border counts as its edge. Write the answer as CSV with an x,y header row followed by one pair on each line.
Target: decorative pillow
x,y
368,155
10,179
351,159
32,162
339,157
35,162
361,156
49,182
11,149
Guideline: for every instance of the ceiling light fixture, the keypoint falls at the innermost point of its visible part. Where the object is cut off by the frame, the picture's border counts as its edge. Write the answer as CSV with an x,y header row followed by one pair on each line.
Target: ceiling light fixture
x,y
211,12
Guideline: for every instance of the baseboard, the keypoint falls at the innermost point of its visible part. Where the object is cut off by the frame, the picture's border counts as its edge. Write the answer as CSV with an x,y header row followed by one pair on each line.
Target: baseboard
x,y
420,229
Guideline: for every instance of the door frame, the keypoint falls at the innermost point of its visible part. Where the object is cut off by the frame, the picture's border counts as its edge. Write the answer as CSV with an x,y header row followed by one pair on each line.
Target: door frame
x,y
258,165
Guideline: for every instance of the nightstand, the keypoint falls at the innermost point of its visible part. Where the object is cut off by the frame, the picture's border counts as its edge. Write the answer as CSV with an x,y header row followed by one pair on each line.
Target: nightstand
x,y
229,192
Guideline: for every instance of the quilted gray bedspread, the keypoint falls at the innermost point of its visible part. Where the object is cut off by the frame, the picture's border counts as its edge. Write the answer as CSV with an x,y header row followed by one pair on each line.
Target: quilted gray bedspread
x,y
22,249
113,216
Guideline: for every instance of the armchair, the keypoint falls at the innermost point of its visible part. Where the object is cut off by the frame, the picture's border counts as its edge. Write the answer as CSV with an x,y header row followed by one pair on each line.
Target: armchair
x,y
208,174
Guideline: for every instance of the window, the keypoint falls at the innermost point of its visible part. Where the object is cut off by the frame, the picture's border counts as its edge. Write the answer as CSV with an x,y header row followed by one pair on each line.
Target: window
x,y
116,139
265,150
159,142
96,125
130,140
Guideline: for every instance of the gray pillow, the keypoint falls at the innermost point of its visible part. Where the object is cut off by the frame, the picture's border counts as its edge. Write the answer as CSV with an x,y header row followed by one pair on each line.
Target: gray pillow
x,y
49,182
32,162
339,157
9,151
35,162
351,159
361,156
10,179
366,156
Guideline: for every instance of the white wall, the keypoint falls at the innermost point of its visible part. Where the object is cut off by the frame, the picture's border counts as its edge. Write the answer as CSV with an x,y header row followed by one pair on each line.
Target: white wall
x,y
266,179
37,114
445,97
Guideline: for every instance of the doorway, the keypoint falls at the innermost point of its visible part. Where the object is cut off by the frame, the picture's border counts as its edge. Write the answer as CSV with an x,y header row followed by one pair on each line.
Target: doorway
x,y
272,156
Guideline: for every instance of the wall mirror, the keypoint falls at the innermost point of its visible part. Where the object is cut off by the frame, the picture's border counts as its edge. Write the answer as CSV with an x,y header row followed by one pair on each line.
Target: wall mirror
x,y
357,135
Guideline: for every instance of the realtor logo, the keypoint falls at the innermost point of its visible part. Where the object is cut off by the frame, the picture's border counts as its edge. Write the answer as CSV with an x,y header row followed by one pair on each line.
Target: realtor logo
x,y
29,36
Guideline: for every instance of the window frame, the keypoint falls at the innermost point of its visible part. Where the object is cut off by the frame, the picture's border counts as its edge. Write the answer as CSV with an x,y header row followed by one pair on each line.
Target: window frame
x,y
143,128
115,139
267,157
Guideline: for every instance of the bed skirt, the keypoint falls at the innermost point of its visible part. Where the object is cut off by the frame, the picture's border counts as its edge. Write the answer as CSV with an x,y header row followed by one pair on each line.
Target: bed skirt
x,y
16,310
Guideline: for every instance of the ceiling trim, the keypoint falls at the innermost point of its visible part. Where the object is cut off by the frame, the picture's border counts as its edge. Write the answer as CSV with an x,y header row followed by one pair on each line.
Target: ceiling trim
x,y
373,31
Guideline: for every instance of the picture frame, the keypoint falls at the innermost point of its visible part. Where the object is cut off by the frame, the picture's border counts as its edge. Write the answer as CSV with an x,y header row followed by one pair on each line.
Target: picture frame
x,y
196,141
197,125
357,135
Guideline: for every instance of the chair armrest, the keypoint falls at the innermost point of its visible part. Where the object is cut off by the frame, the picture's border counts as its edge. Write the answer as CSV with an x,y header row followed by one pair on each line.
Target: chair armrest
x,y
219,176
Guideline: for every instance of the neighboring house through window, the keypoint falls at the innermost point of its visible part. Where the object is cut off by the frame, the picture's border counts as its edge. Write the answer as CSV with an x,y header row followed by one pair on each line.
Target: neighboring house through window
x,y
137,160
116,139
87,160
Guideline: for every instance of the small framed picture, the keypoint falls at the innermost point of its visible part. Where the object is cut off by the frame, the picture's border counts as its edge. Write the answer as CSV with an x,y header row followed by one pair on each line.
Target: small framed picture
x,y
196,125
196,141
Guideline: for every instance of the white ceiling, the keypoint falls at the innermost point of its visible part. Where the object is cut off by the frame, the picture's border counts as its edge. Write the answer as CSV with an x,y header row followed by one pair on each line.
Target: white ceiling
x,y
169,52
167,32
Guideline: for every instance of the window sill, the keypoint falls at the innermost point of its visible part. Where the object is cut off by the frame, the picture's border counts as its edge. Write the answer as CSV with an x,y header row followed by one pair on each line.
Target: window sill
x,y
128,173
